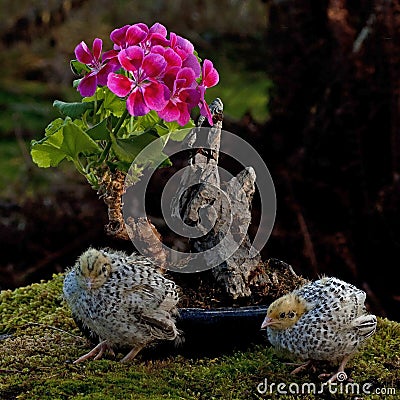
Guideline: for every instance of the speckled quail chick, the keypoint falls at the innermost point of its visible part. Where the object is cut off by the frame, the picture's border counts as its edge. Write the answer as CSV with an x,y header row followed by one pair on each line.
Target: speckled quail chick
x,y
323,320
123,299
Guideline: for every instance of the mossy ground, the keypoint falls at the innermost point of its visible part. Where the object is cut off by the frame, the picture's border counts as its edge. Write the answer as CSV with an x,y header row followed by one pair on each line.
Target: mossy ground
x,y
39,339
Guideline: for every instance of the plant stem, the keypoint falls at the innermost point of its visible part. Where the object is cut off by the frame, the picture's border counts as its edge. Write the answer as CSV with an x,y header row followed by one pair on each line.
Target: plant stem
x,y
116,129
120,122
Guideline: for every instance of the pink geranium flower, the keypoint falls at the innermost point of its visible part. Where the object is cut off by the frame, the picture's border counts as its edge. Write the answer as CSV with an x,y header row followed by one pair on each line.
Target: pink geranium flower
x,y
184,48
143,87
99,65
139,35
209,78
129,35
184,95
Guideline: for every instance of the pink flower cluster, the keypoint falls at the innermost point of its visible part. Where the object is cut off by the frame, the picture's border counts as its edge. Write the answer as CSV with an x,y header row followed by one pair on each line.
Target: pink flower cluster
x,y
157,73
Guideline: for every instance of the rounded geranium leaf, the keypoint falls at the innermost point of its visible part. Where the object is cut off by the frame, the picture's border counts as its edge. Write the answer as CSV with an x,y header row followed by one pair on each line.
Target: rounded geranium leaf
x,y
119,84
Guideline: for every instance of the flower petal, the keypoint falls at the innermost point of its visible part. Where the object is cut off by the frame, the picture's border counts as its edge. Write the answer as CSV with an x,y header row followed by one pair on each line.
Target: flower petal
x,y
170,112
153,65
190,96
172,58
107,55
118,37
184,115
192,62
204,109
83,53
119,84
97,47
186,75
88,84
155,95
210,75
106,69
184,44
135,34
131,58
136,105
158,28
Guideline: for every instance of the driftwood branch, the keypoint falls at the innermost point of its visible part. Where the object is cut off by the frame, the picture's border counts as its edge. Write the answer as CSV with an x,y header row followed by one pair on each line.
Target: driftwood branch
x,y
221,211
112,188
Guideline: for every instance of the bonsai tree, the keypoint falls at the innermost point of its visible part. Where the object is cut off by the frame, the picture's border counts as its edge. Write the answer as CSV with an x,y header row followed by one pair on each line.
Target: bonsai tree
x,y
136,98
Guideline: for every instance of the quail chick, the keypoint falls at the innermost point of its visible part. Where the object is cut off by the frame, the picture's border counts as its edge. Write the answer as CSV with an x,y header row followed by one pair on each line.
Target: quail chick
x,y
323,320
123,299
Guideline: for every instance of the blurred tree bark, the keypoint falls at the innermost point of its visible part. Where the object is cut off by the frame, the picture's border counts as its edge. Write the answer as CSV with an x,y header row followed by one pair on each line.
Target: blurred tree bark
x,y
335,136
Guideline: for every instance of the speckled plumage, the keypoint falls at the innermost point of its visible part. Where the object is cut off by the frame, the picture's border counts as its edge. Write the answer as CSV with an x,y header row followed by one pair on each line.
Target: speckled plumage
x,y
323,320
123,299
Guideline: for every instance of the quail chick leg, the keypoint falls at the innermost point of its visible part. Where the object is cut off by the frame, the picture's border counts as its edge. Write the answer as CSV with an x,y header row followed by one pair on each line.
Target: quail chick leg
x,y
133,353
339,374
301,367
95,353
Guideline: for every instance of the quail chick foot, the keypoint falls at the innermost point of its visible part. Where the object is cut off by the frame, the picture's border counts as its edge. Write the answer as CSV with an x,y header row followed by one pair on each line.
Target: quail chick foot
x,y
96,353
340,375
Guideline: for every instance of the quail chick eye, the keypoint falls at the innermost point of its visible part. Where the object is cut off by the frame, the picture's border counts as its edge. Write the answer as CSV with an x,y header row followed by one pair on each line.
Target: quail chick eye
x,y
282,315
291,314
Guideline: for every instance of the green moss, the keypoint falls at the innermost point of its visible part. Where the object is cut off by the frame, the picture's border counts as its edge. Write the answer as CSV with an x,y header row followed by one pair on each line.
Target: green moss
x,y
41,339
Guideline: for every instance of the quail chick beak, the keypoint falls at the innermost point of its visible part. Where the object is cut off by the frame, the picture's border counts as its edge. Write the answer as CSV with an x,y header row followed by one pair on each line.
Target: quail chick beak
x,y
89,283
267,322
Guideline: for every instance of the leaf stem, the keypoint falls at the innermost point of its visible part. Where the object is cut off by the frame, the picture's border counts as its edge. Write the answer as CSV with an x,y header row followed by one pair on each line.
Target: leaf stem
x,y
116,129
120,122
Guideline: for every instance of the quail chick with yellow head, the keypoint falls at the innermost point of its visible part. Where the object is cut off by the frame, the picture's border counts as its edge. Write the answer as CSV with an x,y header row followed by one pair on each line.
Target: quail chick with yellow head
x,y
324,320
123,299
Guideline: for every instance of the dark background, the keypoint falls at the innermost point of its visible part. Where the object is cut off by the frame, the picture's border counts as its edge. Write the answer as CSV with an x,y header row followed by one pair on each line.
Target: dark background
x,y
314,86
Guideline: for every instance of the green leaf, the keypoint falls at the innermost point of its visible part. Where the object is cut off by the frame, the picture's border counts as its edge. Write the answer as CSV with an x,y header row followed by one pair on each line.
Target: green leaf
x,y
113,103
179,134
99,131
63,140
76,82
54,126
45,155
76,141
79,68
173,131
73,110
130,150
